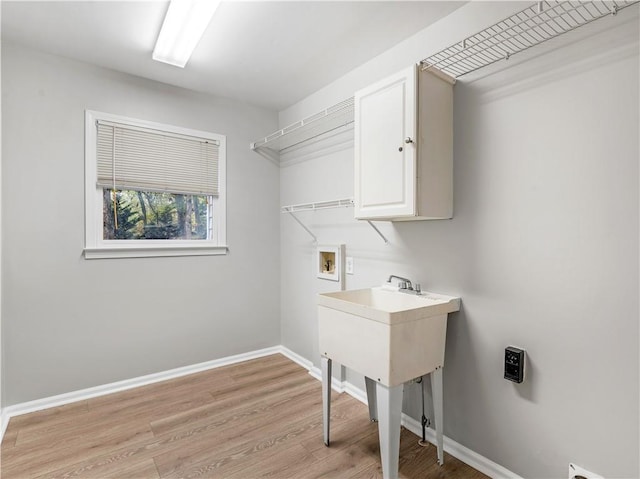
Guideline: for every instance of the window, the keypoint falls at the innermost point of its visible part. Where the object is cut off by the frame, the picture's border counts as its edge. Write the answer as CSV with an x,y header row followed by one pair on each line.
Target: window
x,y
152,189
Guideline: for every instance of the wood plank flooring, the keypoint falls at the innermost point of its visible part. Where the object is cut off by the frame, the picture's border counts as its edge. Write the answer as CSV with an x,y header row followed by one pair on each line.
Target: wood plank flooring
x,y
260,418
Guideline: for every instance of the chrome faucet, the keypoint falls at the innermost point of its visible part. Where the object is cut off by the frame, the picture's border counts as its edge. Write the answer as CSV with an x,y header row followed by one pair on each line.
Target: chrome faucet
x,y
405,285
404,282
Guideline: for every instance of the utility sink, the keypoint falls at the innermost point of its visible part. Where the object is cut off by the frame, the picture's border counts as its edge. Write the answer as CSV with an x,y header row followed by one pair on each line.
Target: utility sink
x,y
387,335
390,337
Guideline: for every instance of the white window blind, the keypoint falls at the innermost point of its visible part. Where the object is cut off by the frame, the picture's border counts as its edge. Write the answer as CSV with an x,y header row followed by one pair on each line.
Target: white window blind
x,y
133,158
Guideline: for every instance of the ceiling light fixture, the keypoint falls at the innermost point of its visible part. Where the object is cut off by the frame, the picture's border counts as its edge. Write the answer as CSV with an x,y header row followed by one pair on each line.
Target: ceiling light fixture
x,y
183,26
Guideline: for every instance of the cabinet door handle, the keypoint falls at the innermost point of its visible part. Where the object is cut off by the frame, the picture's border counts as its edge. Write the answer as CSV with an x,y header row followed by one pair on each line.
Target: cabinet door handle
x,y
408,140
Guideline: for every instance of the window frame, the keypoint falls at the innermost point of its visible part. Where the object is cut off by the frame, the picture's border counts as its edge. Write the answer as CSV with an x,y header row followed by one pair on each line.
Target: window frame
x,y
96,247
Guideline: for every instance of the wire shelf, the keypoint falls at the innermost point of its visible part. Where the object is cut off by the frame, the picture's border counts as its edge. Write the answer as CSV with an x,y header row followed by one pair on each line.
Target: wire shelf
x,y
325,205
326,121
519,32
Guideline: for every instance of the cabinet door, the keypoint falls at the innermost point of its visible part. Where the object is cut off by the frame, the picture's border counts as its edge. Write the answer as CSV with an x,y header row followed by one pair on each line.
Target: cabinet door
x,y
385,165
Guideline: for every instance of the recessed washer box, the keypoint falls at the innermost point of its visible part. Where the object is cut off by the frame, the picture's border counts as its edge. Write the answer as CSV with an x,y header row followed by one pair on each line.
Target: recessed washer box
x,y
329,262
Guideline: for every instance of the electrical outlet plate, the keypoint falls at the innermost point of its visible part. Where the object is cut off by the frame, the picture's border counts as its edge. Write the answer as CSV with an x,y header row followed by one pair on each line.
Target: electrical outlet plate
x,y
349,265
577,472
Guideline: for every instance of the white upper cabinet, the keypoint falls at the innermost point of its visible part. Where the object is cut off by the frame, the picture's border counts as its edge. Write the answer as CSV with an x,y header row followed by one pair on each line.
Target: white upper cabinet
x,y
385,116
404,147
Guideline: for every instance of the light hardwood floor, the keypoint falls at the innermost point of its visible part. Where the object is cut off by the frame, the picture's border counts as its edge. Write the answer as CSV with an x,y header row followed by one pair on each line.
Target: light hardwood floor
x,y
260,418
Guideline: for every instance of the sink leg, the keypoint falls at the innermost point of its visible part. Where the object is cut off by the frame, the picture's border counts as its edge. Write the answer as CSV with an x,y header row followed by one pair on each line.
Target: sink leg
x,y
371,398
326,397
436,388
389,408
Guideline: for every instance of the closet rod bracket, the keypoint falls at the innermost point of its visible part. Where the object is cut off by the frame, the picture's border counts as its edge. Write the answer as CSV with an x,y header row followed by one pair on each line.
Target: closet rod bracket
x,y
315,239
266,153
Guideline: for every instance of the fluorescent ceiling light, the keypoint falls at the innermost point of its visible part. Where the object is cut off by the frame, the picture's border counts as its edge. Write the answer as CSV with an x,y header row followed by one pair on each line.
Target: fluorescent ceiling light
x,y
183,26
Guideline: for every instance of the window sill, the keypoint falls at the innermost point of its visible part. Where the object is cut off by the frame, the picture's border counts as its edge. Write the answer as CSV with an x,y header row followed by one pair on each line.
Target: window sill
x,y
153,251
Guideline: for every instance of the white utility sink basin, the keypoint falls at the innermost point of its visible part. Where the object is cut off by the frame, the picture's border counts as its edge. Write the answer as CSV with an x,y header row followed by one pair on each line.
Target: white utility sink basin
x,y
388,305
387,335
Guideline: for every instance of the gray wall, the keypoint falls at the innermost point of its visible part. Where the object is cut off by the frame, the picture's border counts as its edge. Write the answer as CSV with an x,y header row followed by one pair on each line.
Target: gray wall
x,y
543,246
69,323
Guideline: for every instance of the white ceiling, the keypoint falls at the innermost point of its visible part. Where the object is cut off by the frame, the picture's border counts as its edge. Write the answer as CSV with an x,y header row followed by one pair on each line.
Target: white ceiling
x,y
267,53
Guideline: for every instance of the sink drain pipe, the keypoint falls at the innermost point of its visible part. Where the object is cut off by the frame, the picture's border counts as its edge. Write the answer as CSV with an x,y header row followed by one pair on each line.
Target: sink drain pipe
x,y
424,421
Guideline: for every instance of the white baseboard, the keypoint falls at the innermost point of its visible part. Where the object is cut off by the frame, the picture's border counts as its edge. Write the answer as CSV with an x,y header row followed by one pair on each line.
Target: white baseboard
x,y
296,358
4,422
340,386
457,450
337,385
356,393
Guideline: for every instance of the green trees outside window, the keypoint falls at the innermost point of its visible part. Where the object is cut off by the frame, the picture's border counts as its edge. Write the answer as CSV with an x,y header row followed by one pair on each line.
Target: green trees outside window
x,y
132,215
